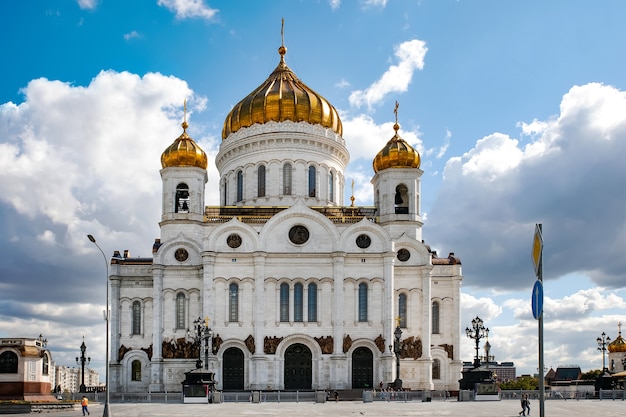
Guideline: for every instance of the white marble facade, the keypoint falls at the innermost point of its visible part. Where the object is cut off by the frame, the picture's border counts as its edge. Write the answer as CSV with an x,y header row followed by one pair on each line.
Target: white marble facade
x,y
300,291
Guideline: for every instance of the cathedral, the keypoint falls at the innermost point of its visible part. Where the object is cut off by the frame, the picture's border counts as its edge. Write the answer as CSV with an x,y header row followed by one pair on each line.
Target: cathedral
x,y
281,286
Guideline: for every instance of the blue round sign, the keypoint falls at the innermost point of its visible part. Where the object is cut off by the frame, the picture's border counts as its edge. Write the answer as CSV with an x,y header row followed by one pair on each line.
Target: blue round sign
x,y
537,299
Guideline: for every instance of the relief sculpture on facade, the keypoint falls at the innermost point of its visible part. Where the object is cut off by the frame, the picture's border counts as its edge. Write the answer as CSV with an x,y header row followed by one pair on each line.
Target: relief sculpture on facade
x,y
411,347
449,349
270,344
326,344
250,344
179,349
216,343
347,343
380,343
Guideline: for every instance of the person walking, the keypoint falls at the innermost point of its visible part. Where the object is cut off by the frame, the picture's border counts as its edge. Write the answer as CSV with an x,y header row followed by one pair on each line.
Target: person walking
x,y
526,405
85,404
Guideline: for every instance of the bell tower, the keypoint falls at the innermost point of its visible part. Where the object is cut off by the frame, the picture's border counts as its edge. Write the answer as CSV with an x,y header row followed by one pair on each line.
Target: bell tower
x,y
184,177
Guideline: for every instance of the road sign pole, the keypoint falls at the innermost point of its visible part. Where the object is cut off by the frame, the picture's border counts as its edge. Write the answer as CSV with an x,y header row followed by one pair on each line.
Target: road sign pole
x,y
541,365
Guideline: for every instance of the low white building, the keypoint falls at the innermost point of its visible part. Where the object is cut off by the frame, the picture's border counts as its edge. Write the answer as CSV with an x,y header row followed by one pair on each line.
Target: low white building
x,y
299,290
26,370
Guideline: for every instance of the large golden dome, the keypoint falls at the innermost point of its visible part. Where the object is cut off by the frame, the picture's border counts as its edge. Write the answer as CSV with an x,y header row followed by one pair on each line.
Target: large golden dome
x,y
282,97
397,153
184,152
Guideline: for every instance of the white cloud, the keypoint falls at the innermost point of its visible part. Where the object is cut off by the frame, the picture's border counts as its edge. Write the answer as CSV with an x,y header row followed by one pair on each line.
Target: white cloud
x,y
87,4
396,79
334,4
189,8
59,159
563,173
131,35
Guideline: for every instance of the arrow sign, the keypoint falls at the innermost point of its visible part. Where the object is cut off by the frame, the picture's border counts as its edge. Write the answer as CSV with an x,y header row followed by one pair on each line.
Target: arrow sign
x,y
537,299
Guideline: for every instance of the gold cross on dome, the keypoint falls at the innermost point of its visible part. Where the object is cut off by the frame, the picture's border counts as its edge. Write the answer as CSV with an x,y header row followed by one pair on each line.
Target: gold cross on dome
x,y
395,111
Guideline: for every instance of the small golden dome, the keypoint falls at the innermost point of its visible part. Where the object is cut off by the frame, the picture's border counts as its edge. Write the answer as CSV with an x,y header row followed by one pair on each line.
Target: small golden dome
x,y
282,97
397,153
184,152
618,345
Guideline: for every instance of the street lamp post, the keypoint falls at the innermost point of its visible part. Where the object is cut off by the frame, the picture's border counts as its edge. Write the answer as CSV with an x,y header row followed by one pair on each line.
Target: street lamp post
x,y
82,361
105,412
397,348
477,332
603,342
203,336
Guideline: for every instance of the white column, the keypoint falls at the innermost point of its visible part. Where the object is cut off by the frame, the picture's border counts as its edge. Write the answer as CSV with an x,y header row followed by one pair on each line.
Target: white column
x,y
156,377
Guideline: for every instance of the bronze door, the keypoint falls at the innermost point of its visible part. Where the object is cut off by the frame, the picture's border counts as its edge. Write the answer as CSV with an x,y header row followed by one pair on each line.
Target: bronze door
x,y
362,368
298,367
232,370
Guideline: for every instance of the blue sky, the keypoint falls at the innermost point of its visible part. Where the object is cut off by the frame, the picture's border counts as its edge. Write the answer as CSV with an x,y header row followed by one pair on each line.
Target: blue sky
x,y
517,108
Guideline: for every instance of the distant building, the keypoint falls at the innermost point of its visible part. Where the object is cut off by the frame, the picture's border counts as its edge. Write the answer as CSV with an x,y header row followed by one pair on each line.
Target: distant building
x,y
567,373
68,379
617,353
26,372
505,371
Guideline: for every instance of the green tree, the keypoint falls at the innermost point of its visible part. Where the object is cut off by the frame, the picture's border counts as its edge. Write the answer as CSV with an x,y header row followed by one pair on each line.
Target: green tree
x,y
591,375
523,383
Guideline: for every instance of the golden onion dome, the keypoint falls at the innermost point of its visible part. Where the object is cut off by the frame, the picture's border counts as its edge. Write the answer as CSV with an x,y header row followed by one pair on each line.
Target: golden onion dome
x,y
184,152
618,345
397,153
282,97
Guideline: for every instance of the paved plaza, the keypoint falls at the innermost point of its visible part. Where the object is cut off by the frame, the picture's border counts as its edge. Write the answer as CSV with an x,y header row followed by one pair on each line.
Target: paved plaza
x,y
553,408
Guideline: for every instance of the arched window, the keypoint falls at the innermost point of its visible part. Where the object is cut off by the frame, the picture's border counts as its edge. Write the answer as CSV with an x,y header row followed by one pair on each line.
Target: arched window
x,y
331,187
402,310
182,198
225,192
435,317
8,362
45,364
312,181
312,302
136,317
180,311
287,179
284,302
136,370
261,181
233,303
239,186
362,302
298,295
436,369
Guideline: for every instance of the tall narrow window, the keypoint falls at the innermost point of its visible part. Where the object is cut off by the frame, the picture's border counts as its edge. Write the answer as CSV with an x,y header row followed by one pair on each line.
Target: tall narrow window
x,y
362,302
239,186
136,317
298,295
180,310
436,369
233,303
312,181
287,179
261,181
45,365
402,310
225,192
331,187
182,198
312,302
435,317
284,302
136,370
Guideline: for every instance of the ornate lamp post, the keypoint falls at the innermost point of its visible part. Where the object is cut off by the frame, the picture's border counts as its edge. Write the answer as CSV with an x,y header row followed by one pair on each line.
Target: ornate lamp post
x,y
82,361
397,349
477,332
203,337
105,412
603,342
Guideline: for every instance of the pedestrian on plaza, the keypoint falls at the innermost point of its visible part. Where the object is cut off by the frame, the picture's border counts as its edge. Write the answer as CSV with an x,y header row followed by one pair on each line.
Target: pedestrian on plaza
x,y
527,405
85,404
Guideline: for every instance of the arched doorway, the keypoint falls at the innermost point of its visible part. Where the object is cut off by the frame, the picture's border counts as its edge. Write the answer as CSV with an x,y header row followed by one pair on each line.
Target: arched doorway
x,y
362,368
298,367
232,369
